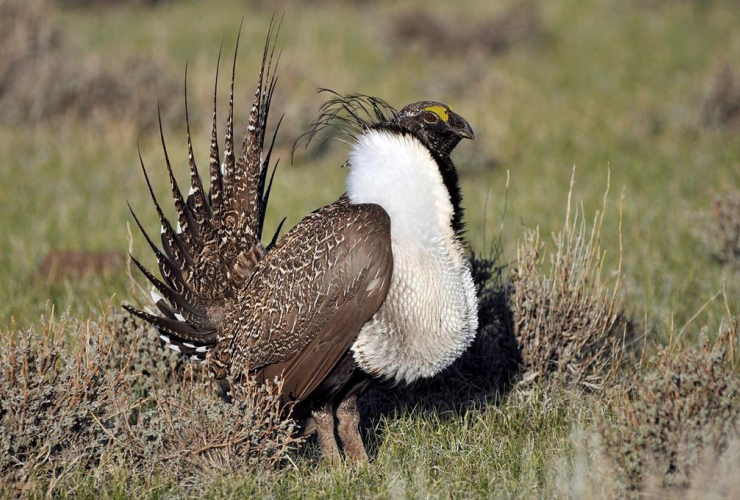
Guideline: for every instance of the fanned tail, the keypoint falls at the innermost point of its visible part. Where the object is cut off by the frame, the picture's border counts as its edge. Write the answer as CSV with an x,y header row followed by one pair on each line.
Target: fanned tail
x,y
211,254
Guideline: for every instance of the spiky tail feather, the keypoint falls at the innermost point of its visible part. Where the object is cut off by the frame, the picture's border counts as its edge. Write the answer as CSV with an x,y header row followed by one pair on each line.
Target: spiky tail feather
x,y
217,243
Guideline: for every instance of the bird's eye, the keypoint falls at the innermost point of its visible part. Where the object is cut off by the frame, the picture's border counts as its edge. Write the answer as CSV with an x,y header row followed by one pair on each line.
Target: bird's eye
x,y
430,117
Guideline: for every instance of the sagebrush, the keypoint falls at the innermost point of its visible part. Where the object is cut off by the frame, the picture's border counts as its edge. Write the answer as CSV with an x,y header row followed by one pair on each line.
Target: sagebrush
x,y
82,400
568,320
670,421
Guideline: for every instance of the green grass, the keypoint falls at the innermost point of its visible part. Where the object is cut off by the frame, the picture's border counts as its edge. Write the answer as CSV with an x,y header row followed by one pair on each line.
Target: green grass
x,y
614,89
484,453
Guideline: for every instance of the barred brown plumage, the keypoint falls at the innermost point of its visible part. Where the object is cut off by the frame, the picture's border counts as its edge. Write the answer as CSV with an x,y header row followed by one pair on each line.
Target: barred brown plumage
x,y
209,258
374,284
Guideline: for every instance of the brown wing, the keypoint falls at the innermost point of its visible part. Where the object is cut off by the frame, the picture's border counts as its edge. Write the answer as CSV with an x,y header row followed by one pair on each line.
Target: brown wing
x,y
312,294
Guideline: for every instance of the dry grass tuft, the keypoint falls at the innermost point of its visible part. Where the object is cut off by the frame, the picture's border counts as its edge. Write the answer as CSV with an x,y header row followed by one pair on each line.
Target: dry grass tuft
x,y
42,78
568,320
721,100
81,401
722,233
520,24
672,421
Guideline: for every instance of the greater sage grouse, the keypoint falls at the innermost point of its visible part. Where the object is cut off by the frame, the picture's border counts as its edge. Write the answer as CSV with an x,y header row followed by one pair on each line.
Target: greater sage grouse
x,y
375,285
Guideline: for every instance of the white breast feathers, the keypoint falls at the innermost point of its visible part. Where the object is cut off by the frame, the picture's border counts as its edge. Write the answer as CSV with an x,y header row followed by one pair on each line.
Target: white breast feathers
x,y
430,314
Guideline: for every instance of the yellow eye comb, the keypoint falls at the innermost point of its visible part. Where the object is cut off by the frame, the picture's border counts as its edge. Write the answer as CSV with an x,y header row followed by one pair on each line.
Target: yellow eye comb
x,y
439,111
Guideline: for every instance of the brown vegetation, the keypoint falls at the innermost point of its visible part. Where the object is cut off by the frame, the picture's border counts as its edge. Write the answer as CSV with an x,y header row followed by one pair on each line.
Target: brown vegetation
x,y
112,397
722,232
673,420
721,100
520,24
41,77
109,3
568,321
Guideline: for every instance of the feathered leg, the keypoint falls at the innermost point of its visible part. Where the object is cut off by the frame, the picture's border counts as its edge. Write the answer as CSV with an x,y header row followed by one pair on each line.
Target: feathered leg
x,y
349,429
324,418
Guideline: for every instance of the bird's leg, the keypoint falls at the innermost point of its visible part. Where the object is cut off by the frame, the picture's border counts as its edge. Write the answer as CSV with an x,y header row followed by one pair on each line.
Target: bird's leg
x,y
349,429
324,418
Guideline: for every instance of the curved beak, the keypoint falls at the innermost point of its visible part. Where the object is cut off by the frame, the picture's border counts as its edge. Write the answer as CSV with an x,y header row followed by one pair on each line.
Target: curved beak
x,y
461,126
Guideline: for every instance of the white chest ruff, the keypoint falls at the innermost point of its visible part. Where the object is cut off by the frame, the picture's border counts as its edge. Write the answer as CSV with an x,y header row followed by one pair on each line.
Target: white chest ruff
x,y
430,315
426,322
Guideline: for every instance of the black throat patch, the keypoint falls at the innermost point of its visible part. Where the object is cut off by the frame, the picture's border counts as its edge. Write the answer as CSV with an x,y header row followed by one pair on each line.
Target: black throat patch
x,y
452,183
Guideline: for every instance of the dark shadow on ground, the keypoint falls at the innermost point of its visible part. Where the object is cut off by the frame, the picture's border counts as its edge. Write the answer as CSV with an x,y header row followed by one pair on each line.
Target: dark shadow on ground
x,y
482,376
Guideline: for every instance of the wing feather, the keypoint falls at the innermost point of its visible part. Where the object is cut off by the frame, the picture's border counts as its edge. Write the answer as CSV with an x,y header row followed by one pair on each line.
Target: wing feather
x,y
312,294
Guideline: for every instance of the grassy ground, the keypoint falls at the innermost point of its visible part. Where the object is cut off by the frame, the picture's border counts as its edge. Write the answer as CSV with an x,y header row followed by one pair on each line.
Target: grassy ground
x,y
607,88
615,88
